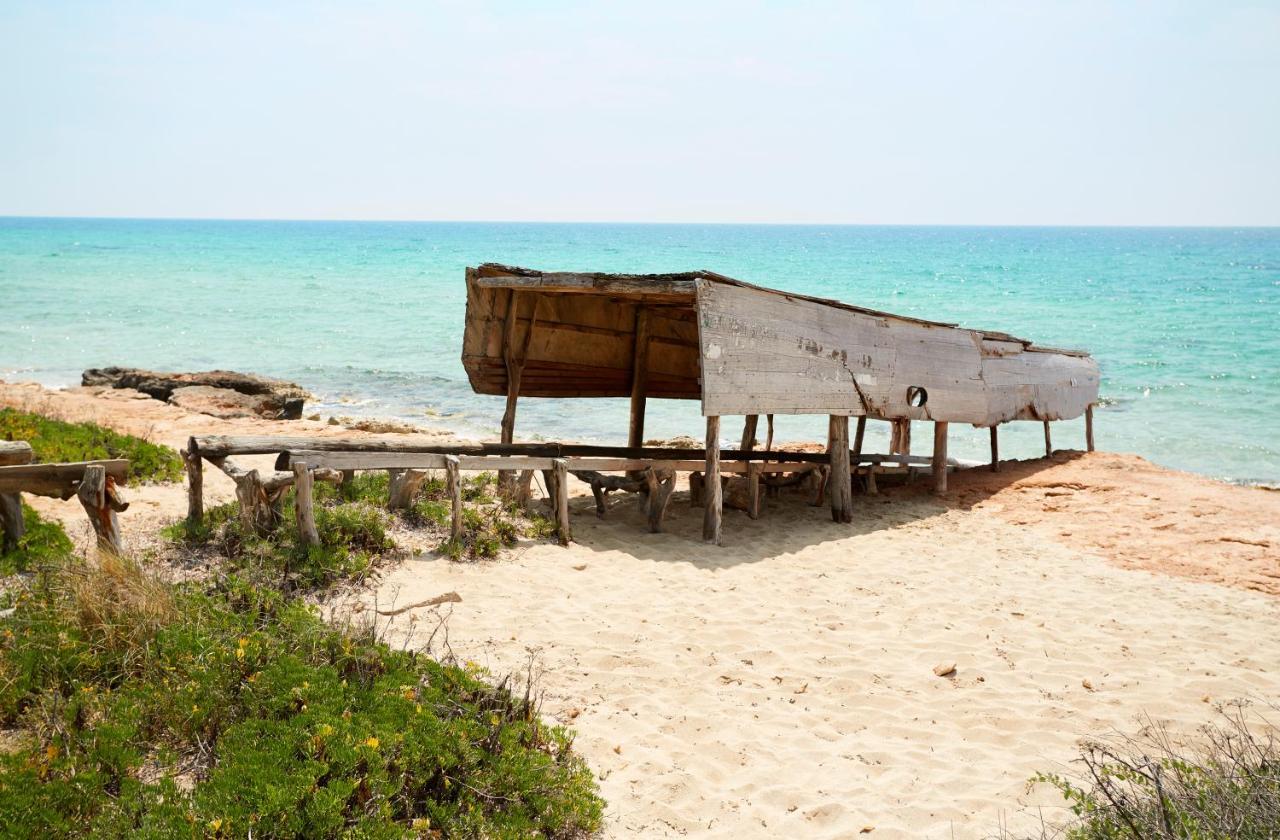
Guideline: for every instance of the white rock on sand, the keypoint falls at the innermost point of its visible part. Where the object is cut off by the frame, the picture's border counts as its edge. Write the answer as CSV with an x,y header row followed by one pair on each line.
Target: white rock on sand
x,y
784,685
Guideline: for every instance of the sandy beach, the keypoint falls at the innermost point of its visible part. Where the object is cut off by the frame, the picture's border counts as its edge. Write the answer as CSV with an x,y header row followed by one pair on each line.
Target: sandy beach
x,y
783,684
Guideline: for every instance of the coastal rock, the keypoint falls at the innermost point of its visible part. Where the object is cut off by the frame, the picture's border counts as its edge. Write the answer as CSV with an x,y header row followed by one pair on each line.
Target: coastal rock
x,y
265,397
223,402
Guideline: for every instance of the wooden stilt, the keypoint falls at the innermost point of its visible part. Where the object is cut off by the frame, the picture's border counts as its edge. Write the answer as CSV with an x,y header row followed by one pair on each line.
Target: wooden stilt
x,y
939,458
1048,442
840,485
660,484
11,521
995,448
514,362
453,485
561,470
753,489
900,440
1088,428
820,476
101,501
715,499
303,505
254,512
749,432
697,490
639,377
768,441
195,483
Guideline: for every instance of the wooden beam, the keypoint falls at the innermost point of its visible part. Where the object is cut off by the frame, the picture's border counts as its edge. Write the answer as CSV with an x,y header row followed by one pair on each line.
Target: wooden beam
x,y
453,485
1088,428
639,377
303,505
939,458
117,468
14,452
714,510
1048,442
561,470
841,488
573,283
995,449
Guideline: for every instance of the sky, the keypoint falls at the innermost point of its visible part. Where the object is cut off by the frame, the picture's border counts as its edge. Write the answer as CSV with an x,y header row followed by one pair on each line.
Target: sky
x,y
1089,113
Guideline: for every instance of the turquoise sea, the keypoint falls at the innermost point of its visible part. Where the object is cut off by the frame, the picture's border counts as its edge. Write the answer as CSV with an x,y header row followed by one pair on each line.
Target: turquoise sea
x,y
1185,323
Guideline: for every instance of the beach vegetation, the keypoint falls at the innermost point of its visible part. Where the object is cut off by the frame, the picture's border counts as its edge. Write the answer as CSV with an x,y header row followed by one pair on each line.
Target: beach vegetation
x,y
147,709
55,441
44,542
1223,784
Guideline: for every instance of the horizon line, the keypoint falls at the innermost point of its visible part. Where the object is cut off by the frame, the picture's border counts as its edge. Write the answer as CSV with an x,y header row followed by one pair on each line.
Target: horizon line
x,y
1089,226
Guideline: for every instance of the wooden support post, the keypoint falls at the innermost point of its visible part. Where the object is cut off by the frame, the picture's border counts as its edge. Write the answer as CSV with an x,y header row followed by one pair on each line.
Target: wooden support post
x,y
639,377
821,478
255,515
939,457
403,486
768,441
995,448
840,484
749,432
753,489
858,436
1048,442
561,470
900,439
659,485
697,490
11,521
1088,428
515,370
195,483
714,510
303,507
453,485
344,487
101,501
871,479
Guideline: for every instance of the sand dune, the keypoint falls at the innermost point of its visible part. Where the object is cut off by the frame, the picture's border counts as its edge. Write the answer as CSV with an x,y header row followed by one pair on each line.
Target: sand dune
x,y
783,684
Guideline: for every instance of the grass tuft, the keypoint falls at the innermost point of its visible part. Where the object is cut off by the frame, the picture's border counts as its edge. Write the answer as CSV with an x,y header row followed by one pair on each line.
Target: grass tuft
x,y
55,441
1153,787
44,542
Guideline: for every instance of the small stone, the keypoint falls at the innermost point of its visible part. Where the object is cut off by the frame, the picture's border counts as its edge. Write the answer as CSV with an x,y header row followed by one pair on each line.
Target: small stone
x,y
1088,685
946,669
580,567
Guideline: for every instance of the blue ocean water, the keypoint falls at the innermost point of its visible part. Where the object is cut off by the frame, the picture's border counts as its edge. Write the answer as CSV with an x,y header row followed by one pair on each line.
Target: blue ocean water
x,y
1185,323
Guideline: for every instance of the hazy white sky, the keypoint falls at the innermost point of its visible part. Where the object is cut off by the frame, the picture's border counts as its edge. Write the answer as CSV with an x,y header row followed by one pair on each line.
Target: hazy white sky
x,y
888,112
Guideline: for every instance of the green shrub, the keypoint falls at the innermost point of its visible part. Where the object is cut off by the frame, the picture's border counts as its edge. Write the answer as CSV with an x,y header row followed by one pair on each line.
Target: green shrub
x,y
281,725
55,440
1226,786
43,542
353,536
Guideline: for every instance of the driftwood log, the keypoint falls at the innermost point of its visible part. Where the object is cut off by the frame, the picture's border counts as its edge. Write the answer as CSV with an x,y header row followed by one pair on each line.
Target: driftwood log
x,y
101,500
404,485
303,506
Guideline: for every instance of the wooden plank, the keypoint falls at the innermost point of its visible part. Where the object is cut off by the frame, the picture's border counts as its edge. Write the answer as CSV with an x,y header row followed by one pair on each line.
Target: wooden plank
x,y
713,512
453,485
303,505
566,282
14,452
765,352
940,457
561,470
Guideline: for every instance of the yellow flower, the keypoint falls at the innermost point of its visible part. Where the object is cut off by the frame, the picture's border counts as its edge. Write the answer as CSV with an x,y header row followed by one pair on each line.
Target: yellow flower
x,y
215,824
372,743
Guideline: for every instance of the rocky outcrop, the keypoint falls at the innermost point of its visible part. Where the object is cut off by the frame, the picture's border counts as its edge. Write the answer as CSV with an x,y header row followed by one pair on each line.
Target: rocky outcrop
x,y
221,393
